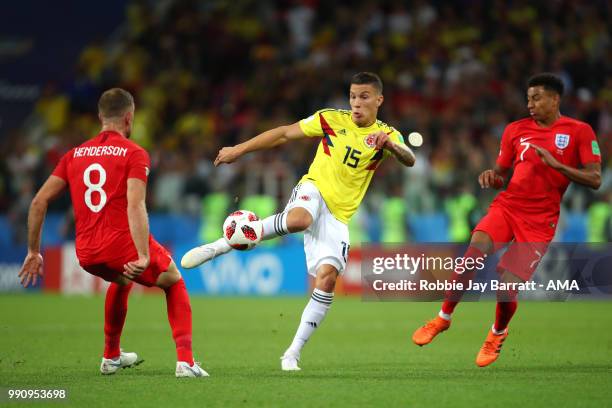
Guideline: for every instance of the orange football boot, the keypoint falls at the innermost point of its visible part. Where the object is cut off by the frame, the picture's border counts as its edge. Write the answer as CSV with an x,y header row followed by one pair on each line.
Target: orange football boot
x,y
425,334
490,349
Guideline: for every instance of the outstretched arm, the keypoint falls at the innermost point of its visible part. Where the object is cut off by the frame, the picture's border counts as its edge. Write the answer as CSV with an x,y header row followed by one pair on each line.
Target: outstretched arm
x,y
32,266
266,140
590,176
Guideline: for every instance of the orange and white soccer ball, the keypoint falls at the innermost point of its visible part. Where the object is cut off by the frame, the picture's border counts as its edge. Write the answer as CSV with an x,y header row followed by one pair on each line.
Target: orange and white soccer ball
x,y
242,230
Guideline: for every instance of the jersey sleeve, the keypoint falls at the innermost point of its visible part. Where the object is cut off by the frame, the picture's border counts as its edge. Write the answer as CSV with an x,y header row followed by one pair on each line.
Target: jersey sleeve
x,y
61,170
312,126
138,165
395,137
588,148
506,150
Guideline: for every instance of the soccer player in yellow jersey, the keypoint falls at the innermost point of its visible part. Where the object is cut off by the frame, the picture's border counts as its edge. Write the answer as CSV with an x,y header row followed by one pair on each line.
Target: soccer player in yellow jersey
x,y
353,144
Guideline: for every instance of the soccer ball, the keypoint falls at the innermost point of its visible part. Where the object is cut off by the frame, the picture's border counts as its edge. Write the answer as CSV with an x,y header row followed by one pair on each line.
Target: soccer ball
x,y
239,235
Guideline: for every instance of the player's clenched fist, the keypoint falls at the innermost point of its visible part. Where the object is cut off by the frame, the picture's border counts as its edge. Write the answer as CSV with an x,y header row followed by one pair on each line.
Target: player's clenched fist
x,y
490,179
381,139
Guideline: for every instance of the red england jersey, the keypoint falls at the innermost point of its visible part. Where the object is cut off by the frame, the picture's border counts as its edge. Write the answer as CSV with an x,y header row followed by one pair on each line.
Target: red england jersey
x,y
535,188
97,172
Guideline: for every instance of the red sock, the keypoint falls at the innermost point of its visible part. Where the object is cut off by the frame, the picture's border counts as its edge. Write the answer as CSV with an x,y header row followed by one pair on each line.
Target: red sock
x,y
179,315
452,297
505,309
448,306
115,310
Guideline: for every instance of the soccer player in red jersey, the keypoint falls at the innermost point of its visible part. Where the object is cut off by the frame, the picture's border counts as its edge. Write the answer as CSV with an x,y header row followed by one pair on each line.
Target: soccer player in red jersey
x,y
548,151
107,179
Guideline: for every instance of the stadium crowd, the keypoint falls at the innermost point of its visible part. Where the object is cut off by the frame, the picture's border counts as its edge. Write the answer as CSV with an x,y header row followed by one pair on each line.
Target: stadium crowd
x,y
211,74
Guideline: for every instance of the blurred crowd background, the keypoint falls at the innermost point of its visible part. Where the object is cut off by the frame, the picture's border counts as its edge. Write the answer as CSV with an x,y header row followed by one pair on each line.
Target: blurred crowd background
x,y
213,73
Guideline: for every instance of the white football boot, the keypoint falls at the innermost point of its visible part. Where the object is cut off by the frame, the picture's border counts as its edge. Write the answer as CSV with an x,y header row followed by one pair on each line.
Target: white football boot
x,y
125,360
184,370
204,253
289,361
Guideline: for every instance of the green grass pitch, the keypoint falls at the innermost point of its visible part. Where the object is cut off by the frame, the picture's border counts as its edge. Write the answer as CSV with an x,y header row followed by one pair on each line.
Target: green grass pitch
x,y
557,354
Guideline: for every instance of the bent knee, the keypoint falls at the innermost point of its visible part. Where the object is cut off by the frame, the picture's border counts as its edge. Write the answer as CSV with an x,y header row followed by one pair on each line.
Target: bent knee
x,y
122,280
298,219
326,278
482,241
169,277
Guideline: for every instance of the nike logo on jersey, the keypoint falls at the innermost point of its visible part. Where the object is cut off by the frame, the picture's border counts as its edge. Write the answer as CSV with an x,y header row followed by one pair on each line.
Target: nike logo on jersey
x,y
524,139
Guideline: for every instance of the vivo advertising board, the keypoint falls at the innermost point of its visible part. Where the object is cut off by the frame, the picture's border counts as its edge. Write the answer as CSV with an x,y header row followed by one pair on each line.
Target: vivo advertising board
x,y
261,272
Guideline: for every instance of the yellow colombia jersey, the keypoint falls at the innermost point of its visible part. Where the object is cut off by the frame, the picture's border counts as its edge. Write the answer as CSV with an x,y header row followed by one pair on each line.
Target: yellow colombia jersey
x,y
346,158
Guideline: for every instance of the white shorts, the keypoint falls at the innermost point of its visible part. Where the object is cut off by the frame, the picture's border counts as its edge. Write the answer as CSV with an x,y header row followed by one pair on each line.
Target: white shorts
x,y
326,241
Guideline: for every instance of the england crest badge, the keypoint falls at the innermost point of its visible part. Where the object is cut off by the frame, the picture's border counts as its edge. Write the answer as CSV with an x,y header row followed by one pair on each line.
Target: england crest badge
x,y
562,140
